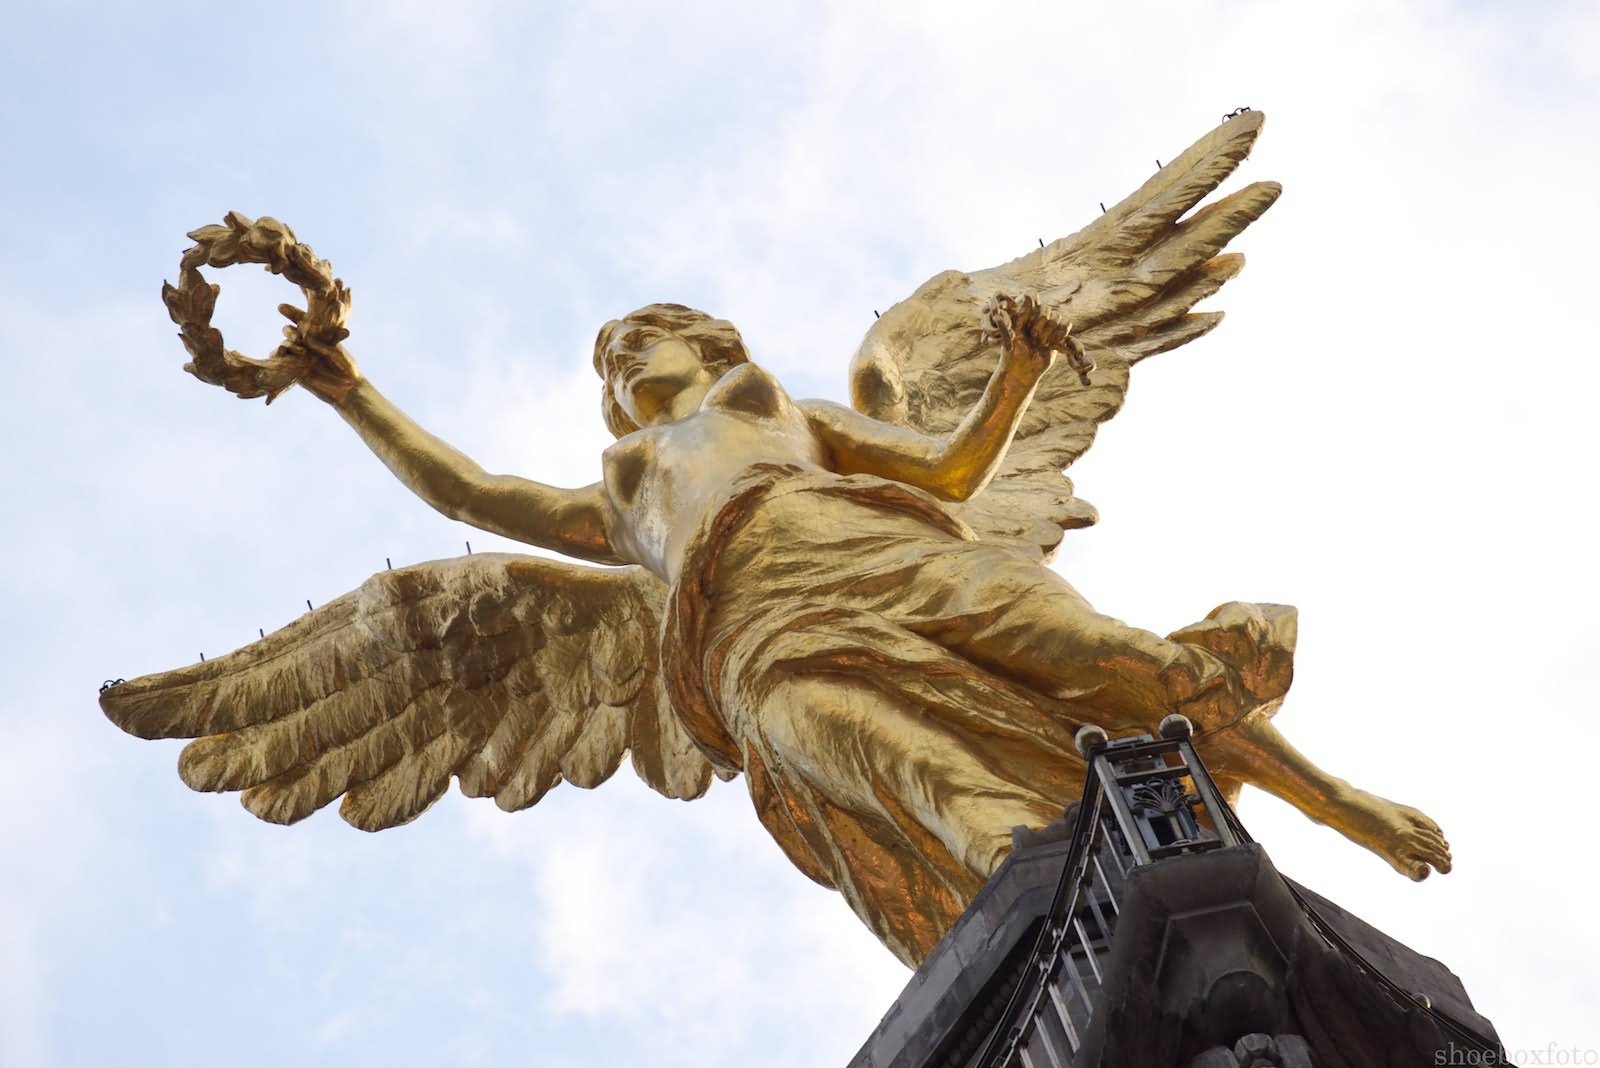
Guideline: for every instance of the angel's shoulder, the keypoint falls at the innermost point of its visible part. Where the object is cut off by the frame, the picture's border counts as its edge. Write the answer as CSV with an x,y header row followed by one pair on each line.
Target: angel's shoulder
x,y
840,424
826,411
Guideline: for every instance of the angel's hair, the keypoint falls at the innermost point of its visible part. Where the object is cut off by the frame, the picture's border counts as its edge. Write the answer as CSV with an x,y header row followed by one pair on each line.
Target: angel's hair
x,y
716,340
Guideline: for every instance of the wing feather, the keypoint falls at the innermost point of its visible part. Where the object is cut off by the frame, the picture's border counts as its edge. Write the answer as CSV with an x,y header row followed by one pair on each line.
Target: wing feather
x,y
1127,282
487,770
404,790
664,756
599,748
509,673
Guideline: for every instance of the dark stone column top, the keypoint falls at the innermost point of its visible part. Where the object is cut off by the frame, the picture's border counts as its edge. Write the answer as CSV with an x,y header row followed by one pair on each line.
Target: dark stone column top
x,y
1202,939
972,966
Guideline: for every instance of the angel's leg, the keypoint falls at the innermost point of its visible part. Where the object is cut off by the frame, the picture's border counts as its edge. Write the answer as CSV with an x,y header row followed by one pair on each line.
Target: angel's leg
x,y
1041,631
1237,740
1027,624
876,752
1254,751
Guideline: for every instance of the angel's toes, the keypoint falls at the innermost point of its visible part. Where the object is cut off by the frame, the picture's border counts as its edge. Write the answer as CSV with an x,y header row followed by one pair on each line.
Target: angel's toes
x,y
1428,842
1418,846
1410,841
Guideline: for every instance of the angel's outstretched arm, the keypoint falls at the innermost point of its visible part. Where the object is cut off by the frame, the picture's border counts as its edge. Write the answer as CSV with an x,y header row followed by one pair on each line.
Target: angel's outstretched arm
x,y
954,466
569,521
572,522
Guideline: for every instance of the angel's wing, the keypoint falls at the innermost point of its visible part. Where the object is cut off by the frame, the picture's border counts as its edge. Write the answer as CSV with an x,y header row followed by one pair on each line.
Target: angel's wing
x,y
510,672
1126,282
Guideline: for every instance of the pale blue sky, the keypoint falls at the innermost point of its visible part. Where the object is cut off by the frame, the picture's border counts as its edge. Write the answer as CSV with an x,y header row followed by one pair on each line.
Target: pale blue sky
x,y
1393,431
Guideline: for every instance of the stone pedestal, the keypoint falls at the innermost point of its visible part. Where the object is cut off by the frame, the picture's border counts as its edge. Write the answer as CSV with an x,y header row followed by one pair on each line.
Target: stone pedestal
x,y
1214,964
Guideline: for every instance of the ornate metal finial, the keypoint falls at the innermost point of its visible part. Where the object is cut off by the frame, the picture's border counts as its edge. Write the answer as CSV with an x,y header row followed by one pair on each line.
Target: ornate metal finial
x,y
1089,738
1176,726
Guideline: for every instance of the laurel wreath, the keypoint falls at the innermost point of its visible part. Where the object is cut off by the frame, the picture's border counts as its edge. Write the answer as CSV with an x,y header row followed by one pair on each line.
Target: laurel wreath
x,y
191,302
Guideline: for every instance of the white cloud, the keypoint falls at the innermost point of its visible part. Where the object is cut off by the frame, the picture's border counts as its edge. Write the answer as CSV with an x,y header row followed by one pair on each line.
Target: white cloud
x,y
660,918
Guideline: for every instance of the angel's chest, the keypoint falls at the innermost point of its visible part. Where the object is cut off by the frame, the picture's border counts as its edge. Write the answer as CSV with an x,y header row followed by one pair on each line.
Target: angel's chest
x,y
663,479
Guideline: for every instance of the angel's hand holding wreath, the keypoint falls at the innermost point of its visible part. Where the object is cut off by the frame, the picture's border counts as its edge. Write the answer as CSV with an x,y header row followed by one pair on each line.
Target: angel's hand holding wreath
x,y
331,372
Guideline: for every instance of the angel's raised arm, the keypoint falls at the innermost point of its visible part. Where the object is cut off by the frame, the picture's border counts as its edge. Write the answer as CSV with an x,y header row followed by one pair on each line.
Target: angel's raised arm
x,y
574,522
958,464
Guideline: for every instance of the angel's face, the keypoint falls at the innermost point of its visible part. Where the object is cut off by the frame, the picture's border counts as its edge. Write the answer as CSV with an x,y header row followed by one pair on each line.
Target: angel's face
x,y
656,376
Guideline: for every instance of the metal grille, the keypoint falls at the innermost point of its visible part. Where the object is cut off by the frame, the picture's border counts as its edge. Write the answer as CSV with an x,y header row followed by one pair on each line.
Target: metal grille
x,y
1144,800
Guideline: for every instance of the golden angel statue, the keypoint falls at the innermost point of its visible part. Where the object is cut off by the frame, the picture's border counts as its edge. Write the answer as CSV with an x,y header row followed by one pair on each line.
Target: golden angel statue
x,y
848,605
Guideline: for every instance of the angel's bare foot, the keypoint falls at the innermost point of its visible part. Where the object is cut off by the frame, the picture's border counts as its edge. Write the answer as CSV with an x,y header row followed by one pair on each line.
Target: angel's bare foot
x,y
1411,842
1254,752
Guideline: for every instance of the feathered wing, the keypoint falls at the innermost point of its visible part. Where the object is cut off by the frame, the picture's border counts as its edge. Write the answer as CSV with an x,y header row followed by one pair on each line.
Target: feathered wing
x,y
1126,282
511,673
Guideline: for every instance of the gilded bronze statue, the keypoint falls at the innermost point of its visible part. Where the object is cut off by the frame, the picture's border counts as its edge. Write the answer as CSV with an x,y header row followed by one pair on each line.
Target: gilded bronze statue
x,y
848,605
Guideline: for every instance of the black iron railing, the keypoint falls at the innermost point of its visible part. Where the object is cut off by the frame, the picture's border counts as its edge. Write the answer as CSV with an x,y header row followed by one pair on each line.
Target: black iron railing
x,y
1145,799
